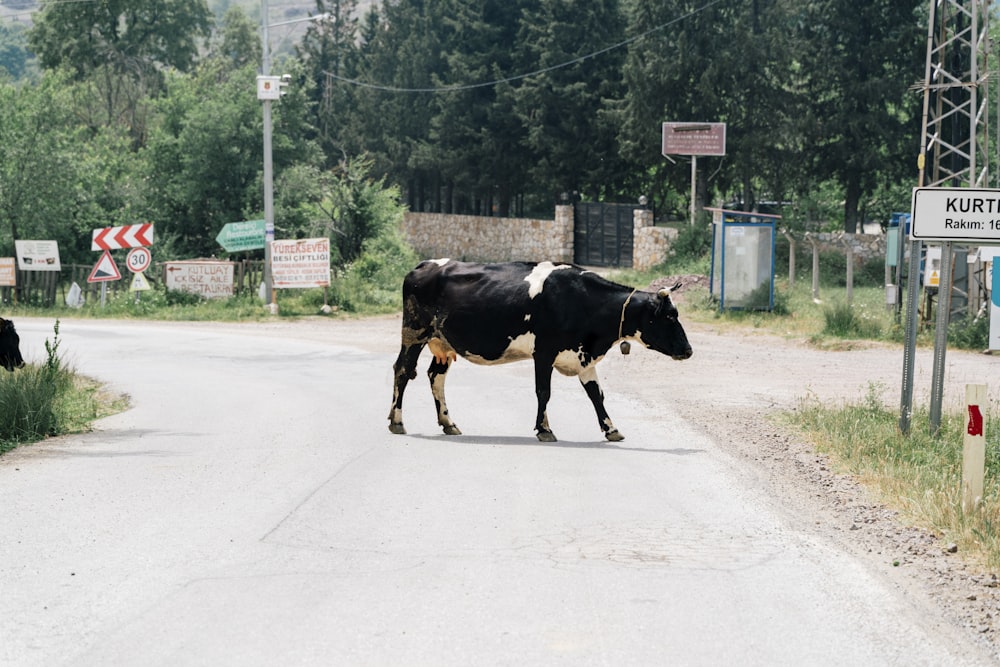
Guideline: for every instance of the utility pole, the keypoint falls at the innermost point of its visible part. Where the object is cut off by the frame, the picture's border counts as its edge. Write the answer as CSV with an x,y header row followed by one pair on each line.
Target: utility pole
x,y
269,89
268,163
953,153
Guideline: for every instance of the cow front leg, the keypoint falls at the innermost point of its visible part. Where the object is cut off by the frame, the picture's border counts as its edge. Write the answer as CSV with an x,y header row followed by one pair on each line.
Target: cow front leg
x,y
543,391
588,378
437,372
404,370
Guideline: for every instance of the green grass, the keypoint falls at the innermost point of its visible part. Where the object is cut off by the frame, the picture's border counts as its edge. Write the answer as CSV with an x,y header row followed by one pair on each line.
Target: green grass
x,y
919,474
829,322
39,401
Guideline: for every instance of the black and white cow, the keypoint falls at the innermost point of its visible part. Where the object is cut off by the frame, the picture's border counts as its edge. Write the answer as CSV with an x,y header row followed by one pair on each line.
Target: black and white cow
x,y
559,315
10,350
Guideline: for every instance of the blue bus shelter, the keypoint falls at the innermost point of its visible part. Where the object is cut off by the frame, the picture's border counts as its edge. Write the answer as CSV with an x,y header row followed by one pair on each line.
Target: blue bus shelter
x,y
743,259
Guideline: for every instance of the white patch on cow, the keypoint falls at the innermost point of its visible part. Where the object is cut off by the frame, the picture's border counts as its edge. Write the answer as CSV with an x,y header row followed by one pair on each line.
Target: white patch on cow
x,y
537,277
527,317
570,362
442,261
520,348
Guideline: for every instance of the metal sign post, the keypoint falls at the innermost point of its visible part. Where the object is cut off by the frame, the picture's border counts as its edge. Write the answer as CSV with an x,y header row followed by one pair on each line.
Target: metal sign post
x,y
941,337
910,338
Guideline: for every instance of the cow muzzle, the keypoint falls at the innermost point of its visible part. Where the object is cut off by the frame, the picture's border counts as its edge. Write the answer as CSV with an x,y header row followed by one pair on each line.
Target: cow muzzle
x,y
684,355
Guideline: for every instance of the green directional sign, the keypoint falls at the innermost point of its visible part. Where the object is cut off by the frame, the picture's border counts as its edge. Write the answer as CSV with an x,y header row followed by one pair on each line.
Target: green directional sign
x,y
239,236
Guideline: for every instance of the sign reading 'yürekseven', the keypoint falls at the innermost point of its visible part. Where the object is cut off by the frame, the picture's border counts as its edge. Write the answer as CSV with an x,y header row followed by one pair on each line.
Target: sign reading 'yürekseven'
x,y
956,214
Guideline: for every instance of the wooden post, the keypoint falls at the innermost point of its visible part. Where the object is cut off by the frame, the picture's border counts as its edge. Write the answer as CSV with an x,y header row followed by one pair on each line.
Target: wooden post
x,y
694,188
974,449
815,284
791,257
850,272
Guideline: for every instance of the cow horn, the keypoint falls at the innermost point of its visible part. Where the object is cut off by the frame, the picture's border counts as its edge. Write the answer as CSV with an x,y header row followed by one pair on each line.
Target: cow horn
x,y
665,292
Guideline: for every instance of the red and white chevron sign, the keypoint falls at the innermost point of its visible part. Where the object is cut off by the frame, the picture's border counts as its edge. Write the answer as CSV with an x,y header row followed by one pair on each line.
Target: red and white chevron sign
x,y
129,236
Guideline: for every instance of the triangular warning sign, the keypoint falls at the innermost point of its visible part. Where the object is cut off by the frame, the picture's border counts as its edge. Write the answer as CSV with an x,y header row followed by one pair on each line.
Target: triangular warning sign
x,y
139,283
105,270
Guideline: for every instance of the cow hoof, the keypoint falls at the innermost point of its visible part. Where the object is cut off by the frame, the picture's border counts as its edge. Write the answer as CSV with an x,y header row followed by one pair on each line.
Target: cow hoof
x,y
397,429
614,436
452,430
546,436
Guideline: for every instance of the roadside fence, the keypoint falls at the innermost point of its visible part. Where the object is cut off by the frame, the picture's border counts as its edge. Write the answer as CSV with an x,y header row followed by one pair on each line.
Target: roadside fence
x,y
47,288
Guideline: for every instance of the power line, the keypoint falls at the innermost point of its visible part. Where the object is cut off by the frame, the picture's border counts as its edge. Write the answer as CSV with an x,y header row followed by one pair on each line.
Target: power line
x,y
518,77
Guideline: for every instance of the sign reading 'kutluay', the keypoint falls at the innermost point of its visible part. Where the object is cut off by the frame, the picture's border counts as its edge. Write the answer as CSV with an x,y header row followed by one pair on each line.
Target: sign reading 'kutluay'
x,y
956,214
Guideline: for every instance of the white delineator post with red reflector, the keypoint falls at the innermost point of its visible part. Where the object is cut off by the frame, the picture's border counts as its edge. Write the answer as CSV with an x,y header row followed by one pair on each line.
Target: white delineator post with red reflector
x,y
974,449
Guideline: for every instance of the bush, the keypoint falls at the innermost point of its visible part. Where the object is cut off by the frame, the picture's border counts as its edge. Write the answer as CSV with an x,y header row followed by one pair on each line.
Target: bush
x,y
692,242
30,399
374,282
844,321
966,335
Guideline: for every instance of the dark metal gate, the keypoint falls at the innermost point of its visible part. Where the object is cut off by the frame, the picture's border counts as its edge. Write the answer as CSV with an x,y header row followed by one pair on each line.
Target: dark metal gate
x,y
602,234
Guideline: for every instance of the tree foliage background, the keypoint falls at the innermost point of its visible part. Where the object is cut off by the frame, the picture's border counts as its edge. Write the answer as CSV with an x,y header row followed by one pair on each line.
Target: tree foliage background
x,y
122,111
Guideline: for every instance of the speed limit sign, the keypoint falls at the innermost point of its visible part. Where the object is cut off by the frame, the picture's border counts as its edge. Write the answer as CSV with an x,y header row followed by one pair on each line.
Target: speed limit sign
x,y
138,260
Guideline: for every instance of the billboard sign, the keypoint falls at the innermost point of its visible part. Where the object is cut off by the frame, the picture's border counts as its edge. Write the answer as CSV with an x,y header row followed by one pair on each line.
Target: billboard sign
x,y
37,255
210,279
694,139
300,263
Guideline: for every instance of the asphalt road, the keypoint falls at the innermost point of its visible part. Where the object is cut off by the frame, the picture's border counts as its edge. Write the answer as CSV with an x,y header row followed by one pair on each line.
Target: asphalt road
x,y
253,509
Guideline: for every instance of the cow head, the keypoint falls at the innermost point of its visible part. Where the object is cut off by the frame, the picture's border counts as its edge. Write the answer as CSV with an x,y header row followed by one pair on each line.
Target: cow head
x,y
10,351
660,328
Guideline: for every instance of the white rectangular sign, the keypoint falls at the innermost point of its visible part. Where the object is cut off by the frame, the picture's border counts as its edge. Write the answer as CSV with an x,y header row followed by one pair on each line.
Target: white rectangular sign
x,y
37,255
300,263
956,214
212,280
8,272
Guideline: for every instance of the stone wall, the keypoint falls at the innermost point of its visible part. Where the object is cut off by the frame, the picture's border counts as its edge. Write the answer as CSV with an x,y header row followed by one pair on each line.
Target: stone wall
x,y
649,244
865,246
484,239
481,239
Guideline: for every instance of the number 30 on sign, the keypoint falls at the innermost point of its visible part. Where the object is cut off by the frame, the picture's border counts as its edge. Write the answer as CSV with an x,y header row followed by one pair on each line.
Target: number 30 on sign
x,y
138,260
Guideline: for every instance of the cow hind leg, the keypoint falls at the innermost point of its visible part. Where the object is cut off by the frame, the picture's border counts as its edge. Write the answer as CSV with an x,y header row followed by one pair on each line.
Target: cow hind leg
x,y
436,373
404,370
588,378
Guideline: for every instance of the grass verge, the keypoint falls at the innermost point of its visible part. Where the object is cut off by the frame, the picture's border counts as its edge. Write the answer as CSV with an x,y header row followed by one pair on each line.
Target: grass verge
x,y
49,399
920,475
